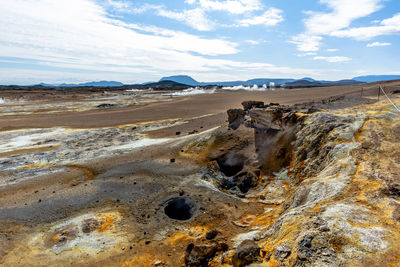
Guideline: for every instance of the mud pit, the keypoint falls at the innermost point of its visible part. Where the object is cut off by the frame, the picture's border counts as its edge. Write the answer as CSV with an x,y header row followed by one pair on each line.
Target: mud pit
x,y
290,186
179,208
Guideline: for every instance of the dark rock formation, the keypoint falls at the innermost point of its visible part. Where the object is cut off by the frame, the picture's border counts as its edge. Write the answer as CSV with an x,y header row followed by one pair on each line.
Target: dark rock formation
x,y
247,105
107,105
211,234
247,252
235,118
274,126
282,252
90,225
245,181
200,255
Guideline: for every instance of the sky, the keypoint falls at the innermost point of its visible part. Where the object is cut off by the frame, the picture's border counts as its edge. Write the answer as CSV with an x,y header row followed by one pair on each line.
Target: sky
x,y
211,40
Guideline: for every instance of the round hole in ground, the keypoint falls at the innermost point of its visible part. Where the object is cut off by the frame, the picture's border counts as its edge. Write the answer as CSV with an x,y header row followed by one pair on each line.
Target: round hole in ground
x,y
179,208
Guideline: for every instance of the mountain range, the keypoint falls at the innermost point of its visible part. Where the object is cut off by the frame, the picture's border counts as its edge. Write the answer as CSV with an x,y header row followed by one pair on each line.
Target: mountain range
x,y
182,80
376,78
88,84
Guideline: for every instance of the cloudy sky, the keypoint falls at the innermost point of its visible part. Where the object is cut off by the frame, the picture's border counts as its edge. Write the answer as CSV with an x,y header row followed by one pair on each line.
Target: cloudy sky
x,y
211,40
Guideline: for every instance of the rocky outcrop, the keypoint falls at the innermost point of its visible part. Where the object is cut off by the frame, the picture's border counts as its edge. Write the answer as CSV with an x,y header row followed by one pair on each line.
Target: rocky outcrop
x,y
274,130
235,118
340,173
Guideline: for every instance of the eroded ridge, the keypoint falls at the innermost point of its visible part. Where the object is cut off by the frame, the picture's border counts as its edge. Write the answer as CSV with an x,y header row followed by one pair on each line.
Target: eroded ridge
x,y
329,184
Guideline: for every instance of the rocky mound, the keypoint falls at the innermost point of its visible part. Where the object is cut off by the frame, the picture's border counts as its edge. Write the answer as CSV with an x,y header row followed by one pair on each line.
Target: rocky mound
x,y
329,180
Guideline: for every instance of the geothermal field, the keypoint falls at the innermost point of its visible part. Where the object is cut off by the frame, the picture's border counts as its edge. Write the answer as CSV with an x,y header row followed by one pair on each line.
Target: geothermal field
x,y
200,177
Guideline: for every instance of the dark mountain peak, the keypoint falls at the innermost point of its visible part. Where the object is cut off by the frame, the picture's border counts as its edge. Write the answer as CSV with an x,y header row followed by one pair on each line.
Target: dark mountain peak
x,y
308,79
182,79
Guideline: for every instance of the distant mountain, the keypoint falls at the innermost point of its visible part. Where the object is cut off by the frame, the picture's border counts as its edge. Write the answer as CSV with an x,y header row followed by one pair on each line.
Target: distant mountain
x,y
308,79
376,78
185,79
267,81
88,84
308,83
103,84
182,79
166,84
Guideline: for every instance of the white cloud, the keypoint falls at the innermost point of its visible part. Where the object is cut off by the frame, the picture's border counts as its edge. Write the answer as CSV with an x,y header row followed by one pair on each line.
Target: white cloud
x,y
375,44
332,50
387,27
306,43
307,54
271,17
190,2
123,6
79,35
195,18
333,59
231,6
253,42
343,13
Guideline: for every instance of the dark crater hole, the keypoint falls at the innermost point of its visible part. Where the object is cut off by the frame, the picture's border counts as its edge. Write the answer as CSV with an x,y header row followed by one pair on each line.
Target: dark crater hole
x,y
179,208
231,163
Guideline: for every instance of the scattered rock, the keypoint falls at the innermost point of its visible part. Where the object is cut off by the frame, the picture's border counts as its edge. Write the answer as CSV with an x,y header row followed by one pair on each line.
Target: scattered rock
x,y
247,252
200,255
193,132
158,263
89,225
245,181
304,251
106,105
63,235
282,252
211,234
392,188
252,104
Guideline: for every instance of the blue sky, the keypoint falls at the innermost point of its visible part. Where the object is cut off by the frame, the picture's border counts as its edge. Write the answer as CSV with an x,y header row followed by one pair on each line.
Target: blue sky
x,y
210,40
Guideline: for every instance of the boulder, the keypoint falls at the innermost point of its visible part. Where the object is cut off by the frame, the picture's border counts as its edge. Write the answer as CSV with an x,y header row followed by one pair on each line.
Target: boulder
x,y
200,255
246,253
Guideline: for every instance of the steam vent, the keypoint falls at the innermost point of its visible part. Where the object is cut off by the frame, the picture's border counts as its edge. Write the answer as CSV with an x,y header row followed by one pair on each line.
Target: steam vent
x,y
314,184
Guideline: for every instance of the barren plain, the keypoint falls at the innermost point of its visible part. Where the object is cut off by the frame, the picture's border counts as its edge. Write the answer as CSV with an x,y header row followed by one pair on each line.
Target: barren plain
x,y
308,177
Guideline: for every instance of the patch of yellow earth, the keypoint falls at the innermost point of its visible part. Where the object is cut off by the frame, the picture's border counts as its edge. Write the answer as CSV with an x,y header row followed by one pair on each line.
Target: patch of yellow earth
x,y
185,235
268,218
91,237
143,260
89,173
198,149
